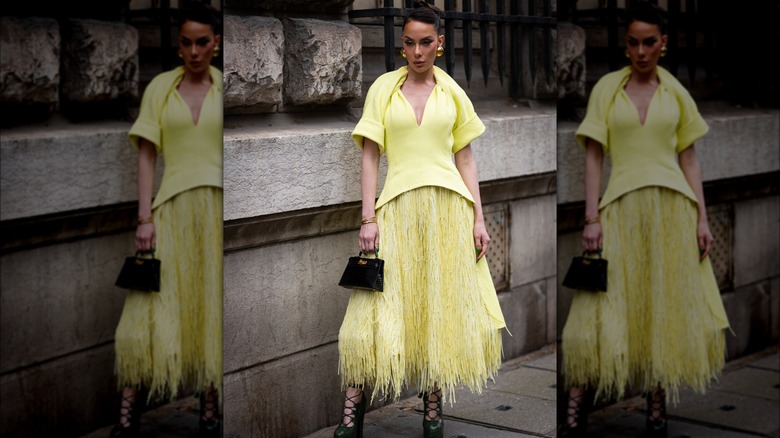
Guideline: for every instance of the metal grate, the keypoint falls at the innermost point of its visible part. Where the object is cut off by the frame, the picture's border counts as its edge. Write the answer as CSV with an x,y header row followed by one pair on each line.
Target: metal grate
x,y
721,219
520,26
497,224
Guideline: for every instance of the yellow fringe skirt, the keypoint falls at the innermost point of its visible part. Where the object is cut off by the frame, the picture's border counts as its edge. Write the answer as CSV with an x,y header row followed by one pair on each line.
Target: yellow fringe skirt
x,y
438,320
173,338
662,319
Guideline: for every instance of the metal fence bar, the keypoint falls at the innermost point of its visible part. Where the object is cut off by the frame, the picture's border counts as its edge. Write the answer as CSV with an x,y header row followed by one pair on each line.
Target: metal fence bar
x,y
501,41
449,39
532,42
690,39
516,65
484,44
548,67
467,48
389,36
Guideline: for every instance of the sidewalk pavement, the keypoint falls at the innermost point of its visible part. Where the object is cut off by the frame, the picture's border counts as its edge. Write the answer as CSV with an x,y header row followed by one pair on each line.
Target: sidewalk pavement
x,y
745,402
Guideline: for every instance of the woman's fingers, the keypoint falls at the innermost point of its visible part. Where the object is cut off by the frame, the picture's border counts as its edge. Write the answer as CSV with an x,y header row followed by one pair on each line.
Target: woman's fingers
x,y
481,243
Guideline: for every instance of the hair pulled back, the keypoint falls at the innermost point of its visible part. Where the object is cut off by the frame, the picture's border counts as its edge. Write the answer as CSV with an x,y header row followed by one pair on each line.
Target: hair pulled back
x,y
647,12
425,12
200,13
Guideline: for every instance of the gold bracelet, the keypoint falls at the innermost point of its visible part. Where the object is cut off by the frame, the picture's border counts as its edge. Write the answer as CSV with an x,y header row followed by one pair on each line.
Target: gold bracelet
x,y
592,220
144,220
368,220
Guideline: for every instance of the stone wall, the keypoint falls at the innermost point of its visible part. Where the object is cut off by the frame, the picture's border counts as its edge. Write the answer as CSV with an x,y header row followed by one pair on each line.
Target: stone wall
x,y
68,65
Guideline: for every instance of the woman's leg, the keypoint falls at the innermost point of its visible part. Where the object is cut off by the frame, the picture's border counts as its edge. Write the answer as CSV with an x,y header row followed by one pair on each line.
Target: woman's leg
x,y
433,423
352,418
656,412
209,415
129,414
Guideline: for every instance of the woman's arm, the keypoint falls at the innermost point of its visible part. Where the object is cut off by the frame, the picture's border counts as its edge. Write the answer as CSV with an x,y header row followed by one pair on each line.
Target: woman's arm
x,y
369,233
464,161
692,171
592,238
144,234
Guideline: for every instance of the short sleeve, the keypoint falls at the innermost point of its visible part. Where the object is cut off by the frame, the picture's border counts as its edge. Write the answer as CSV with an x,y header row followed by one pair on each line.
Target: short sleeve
x,y
692,126
594,126
468,125
147,125
371,124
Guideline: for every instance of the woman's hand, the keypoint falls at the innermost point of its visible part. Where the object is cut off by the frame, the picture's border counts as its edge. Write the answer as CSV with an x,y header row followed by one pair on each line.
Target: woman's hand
x,y
481,239
705,239
369,237
145,238
592,238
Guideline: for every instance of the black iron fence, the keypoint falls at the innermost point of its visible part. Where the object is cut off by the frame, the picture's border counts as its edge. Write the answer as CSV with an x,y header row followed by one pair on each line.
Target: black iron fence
x,y
521,20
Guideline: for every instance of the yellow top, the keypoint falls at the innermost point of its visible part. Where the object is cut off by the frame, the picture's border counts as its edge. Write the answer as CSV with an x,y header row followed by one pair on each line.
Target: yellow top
x,y
421,155
192,152
642,155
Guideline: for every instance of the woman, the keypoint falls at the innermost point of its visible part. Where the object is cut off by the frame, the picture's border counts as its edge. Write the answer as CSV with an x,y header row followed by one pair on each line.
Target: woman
x,y
437,323
661,323
172,338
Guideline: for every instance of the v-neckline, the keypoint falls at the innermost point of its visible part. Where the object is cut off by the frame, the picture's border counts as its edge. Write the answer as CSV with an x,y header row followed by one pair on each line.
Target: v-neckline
x,y
195,123
425,107
642,123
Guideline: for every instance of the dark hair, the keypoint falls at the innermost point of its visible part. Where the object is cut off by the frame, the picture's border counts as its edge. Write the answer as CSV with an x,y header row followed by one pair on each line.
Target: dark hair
x,y
200,13
425,12
647,12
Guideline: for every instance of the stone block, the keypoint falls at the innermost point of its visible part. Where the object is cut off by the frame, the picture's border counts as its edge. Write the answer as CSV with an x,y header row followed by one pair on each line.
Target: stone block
x,y
29,61
261,177
42,171
774,291
749,315
552,309
286,398
569,245
268,315
99,61
540,85
740,142
524,309
68,396
532,253
259,170
756,132
756,240
315,6
322,62
516,142
59,299
571,61
254,63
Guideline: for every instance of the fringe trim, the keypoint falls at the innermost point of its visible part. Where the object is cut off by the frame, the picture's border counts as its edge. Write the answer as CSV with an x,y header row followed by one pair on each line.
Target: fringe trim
x,y
662,319
431,325
173,338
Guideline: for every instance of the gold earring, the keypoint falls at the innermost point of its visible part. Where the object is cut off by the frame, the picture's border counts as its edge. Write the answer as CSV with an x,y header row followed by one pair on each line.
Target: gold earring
x,y
403,53
216,52
181,55
664,50
627,54
439,52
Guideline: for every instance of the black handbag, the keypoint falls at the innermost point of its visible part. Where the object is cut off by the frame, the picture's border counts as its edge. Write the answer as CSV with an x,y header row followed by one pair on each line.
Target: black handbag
x,y
364,273
587,273
140,273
